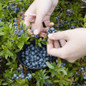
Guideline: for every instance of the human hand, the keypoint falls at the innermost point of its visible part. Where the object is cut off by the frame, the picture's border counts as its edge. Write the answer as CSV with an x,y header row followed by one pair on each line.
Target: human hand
x,y
38,12
73,49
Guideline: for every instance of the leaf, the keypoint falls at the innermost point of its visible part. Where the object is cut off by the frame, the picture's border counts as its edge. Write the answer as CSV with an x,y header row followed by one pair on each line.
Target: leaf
x,y
0,6
4,84
63,70
56,81
2,33
49,65
20,45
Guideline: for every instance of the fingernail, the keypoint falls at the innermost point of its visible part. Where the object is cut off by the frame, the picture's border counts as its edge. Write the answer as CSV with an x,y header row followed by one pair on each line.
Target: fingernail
x,y
35,32
50,35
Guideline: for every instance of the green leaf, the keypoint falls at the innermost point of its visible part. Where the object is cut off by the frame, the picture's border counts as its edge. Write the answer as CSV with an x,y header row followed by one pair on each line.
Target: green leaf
x,y
56,81
49,65
20,45
2,33
63,70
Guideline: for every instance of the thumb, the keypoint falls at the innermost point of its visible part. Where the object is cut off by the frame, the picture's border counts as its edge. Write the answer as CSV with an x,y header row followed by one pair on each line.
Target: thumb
x,y
59,35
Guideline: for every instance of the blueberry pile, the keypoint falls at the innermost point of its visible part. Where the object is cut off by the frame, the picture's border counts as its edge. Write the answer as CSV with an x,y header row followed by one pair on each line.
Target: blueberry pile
x,y
35,57
66,23
22,75
51,30
13,7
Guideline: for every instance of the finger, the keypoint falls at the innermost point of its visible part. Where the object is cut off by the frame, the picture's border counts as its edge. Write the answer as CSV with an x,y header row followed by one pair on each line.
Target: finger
x,y
63,42
54,51
45,29
42,34
59,35
40,13
29,14
56,44
49,24
30,32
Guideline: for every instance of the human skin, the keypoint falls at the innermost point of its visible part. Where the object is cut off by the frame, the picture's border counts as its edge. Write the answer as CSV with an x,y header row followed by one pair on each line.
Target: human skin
x,y
73,49
38,12
72,41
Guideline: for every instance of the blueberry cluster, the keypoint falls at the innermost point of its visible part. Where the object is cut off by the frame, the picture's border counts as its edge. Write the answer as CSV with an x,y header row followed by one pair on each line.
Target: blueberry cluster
x,y
22,75
51,30
62,23
17,31
35,57
69,12
13,7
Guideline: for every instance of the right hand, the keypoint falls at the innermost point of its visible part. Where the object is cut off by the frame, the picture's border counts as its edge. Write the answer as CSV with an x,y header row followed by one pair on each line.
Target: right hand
x,y
38,12
73,48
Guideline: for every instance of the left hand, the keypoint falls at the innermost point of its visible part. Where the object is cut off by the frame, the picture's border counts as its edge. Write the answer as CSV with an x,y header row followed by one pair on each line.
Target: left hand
x,y
38,12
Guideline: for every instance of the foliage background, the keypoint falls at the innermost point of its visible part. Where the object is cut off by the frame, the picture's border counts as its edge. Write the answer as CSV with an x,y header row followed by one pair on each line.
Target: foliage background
x,y
10,44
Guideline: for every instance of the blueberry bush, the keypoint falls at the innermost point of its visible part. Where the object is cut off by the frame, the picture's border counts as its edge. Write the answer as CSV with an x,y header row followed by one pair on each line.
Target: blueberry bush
x,y
36,67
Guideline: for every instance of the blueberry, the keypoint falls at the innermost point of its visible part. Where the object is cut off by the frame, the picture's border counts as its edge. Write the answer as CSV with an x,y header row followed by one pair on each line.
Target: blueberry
x,y
16,27
15,24
54,31
84,78
29,75
75,21
44,54
21,26
48,31
15,19
13,78
44,65
27,78
13,7
19,69
28,64
26,61
52,28
33,48
19,34
15,75
72,27
26,52
21,31
23,8
22,76
82,69
32,53
36,36
8,7
67,10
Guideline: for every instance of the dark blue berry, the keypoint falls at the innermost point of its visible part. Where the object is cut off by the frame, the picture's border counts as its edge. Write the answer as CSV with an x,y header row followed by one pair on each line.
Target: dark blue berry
x,y
36,36
84,78
13,78
52,28
15,75
15,24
